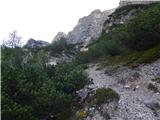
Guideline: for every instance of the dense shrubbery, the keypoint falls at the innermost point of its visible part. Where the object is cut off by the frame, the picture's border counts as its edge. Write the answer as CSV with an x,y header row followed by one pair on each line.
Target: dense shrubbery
x,y
144,31
32,90
59,46
140,33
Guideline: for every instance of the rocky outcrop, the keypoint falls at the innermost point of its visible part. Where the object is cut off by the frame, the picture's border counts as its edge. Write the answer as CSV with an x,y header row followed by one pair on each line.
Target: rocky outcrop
x,y
31,43
59,36
122,15
88,28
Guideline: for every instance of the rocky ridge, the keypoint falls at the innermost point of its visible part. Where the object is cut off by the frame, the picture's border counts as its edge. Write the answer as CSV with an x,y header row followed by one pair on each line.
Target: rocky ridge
x,y
90,27
87,29
31,43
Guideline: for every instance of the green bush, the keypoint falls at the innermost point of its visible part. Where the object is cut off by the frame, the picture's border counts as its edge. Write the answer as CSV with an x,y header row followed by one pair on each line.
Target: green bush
x,y
157,79
33,90
105,95
139,34
58,47
152,87
143,31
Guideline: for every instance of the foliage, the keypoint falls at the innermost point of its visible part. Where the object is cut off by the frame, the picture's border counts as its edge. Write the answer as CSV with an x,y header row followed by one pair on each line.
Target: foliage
x,y
32,90
143,32
102,95
125,9
105,95
139,34
134,58
157,79
152,87
59,47
81,114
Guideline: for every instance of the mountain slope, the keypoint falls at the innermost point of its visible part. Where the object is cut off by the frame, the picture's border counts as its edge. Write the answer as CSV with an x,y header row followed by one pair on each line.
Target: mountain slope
x,y
132,86
116,76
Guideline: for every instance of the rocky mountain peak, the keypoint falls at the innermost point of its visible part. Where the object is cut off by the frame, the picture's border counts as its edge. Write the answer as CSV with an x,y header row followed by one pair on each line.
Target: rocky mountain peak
x,y
88,27
59,36
96,11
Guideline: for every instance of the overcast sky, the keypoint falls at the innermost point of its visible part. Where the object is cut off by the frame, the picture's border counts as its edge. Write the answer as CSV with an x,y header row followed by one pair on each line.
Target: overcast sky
x,y
42,19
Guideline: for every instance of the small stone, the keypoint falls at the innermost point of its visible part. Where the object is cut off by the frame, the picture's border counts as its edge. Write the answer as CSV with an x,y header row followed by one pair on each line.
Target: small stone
x,y
137,86
126,86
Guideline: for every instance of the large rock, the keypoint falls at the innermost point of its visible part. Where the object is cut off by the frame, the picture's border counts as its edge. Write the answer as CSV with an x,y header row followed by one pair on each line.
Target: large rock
x,y
31,43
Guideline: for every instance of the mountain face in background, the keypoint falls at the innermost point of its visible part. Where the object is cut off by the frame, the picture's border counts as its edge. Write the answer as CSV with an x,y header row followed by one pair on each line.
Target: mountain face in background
x,y
31,43
88,28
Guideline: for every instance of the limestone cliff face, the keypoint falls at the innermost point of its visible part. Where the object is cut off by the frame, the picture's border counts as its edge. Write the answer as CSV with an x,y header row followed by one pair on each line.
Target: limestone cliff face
x,y
88,28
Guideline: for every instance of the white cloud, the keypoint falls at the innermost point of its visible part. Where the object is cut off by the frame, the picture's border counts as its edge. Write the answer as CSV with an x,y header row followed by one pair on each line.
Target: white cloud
x,y
42,19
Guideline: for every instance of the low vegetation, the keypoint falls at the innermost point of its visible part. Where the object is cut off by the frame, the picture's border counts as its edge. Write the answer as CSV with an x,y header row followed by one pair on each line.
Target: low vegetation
x,y
103,95
157,79
152,87
139,36
33,90
59,47
135,58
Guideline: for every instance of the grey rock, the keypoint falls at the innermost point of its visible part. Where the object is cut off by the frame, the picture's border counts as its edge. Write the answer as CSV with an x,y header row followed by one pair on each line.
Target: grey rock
x,y
59,36
88,27
83,93
31,43
127,86
151,104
